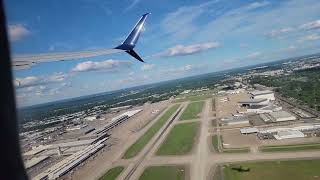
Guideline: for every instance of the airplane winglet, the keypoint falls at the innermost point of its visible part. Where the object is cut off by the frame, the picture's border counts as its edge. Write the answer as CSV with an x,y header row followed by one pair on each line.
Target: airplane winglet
x,y
130,42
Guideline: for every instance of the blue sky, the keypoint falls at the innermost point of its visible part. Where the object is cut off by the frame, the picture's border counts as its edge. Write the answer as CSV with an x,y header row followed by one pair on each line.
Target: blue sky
x,y
181,38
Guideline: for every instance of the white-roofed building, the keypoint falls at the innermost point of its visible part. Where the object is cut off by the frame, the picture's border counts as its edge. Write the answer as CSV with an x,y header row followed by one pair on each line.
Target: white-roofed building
x,y
264,108
266,94
250,130
279,116
288,134
235,120
253,102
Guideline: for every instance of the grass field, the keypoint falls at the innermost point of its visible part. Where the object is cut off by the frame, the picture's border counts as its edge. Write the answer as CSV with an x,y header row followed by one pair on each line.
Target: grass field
x,y
194,98
180,139
215,143
163,172
276,170
134,149
236,150
284,148
112,173
192,110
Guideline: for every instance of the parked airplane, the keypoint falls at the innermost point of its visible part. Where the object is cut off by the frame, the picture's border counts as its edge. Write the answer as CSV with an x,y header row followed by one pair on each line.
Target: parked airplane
x,y
24,62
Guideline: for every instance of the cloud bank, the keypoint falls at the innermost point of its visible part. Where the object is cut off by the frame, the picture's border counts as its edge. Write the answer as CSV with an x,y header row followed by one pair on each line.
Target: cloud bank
x,y
31,81
181,50
108,65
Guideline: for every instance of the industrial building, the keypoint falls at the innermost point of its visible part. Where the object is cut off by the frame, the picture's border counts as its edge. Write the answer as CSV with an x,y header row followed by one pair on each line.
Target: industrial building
x,y
120,108
288,134
277,116
250,130
266,94
280,133
258,109
236,120
253,102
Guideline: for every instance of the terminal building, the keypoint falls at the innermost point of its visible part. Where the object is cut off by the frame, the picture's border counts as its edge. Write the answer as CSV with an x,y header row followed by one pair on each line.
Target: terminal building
x,y
117,120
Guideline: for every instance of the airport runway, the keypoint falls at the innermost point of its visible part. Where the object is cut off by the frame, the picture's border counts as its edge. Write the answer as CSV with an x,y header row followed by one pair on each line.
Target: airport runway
x,y
201,161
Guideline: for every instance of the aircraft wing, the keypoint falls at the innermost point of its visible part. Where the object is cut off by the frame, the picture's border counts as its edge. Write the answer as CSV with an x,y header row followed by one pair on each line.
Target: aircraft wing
x,y
26,61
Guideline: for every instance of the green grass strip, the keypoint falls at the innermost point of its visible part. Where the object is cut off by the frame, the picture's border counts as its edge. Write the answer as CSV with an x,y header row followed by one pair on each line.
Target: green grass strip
x,y
236,150
284,148
275,170
135,148
215,143
192,110
180,139
112,174
163,173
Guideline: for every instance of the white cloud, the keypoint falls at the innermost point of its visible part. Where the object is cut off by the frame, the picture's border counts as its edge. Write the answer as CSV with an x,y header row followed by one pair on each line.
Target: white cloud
x,y
188,69
17,32
147,67
311,25
180,50
27,81
132,5
180,70
108,65
31,81
279,32
248,8
179,23
254,55
290,48
312,37
256,5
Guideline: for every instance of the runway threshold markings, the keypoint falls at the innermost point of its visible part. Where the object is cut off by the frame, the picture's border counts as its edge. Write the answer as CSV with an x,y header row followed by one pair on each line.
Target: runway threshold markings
x,y
135,148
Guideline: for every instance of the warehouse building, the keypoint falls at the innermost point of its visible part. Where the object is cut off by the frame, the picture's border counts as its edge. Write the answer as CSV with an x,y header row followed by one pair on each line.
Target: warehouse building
x,y
277,116
258,109
266,94
250,130
288,134
235,120
282,116
253,102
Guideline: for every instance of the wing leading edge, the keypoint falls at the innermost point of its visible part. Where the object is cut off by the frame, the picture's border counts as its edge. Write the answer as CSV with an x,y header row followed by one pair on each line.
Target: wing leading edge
x,y
26,61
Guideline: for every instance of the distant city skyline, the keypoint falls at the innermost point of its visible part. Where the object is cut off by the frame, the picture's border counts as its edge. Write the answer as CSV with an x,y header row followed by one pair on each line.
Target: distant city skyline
x,y
180,39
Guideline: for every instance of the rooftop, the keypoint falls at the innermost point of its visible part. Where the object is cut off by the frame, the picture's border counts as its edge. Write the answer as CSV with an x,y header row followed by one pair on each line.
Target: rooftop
x,y
256,93
247,101
281,114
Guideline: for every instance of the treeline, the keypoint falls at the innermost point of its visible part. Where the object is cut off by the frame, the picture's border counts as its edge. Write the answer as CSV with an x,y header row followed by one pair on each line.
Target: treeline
x,y
303,85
